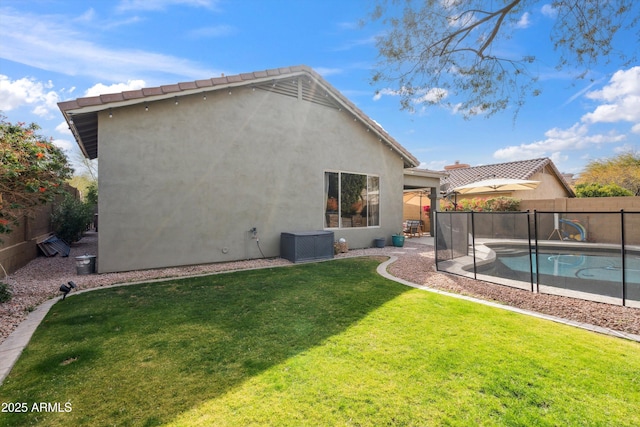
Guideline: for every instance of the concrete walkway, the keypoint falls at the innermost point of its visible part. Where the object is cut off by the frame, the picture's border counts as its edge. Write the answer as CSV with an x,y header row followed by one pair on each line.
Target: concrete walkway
x,y
12,347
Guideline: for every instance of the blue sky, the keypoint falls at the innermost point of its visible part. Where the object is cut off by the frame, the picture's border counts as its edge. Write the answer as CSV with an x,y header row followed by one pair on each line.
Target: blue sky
x,y
55,50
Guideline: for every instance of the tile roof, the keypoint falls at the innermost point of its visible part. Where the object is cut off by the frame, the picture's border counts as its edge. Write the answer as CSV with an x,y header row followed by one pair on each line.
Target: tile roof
x,y
81,113
523,169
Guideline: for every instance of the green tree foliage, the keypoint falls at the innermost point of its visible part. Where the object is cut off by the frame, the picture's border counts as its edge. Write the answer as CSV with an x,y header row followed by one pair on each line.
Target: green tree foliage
x,y
32,172
599,190
92,194
622,170
451,52
82,183
71,217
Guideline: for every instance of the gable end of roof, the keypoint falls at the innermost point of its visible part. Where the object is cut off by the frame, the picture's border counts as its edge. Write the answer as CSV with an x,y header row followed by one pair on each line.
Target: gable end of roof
x,y
81,114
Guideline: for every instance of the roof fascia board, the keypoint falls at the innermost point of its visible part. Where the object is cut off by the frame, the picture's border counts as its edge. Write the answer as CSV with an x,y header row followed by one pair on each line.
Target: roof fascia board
x,y
181,93
426,173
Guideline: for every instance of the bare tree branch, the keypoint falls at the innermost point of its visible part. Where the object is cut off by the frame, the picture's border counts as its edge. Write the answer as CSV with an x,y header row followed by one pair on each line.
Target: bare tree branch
x,y
448,45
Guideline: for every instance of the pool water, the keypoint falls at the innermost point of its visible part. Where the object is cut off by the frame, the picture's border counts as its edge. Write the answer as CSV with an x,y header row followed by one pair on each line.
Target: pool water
x,y
599,267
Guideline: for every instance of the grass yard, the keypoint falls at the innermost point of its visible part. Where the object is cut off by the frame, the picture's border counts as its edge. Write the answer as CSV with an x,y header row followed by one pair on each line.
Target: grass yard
x,y
316,344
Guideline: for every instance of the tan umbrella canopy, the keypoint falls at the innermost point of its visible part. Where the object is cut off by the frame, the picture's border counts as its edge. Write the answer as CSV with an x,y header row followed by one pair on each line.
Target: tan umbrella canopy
x,y
416,198
496,184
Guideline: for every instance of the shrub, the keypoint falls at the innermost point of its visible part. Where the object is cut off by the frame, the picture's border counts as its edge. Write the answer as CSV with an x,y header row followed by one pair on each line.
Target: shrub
x,y
497,204
5,292
71,218
502,204
599,190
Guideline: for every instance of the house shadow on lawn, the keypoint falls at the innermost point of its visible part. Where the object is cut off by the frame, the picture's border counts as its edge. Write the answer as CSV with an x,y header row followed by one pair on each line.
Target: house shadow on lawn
x,y
145,354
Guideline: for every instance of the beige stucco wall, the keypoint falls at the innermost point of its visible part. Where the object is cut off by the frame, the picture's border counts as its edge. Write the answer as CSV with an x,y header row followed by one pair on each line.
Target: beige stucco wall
x,y
183,184
550,187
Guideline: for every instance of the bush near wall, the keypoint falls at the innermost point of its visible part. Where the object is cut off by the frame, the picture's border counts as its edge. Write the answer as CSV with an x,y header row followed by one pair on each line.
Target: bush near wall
x,y
71,218
495,204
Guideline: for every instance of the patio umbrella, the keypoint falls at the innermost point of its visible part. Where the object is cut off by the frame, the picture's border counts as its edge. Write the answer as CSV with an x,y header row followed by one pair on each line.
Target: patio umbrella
x,y
416,198
496,184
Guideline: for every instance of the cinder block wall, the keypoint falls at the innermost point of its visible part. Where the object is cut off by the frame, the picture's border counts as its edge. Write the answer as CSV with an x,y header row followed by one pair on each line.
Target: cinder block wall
x,y
599,215
19,247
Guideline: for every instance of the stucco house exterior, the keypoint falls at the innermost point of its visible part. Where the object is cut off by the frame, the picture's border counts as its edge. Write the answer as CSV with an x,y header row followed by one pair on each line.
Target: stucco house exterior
x,y
215,170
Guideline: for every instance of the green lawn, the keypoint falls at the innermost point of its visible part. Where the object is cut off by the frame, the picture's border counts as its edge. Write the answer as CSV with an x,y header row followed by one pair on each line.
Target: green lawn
x,y
317,344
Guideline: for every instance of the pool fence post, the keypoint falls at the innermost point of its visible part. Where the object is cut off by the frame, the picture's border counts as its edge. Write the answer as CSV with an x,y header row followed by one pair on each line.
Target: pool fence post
x,y
435,237
529,245
535,235
624,284
473,245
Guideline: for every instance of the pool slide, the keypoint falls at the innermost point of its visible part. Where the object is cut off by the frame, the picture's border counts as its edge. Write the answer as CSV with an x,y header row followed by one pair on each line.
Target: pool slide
x,y
574,223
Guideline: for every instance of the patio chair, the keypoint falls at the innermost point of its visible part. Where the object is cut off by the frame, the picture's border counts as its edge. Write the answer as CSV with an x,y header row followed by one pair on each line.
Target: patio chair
x,y
413,228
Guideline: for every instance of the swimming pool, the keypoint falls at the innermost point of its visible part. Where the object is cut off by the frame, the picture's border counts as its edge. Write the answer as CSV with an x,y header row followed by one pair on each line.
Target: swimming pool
x,y
586,266
577,272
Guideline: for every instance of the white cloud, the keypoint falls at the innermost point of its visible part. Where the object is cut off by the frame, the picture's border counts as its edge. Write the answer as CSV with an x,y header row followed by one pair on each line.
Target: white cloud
x,y
435,165
212,32
28,91
622,97
56,45
433,95
626,148
100,89
621,103
324,71
348,25
126,5
557,141
64,144
548,11
63,128
385,91
524,21
88,16
367,41
558,157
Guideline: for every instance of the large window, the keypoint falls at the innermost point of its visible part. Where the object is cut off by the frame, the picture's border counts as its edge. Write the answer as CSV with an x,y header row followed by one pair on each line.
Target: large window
x,y
351,200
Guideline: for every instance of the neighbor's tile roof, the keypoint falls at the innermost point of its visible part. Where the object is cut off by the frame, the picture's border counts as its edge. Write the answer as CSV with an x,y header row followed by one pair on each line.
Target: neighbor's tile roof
x,y
81,113
523,169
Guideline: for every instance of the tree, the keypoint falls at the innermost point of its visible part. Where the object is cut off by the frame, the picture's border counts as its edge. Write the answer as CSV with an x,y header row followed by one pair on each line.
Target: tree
x,y
32,172
436,50
622,170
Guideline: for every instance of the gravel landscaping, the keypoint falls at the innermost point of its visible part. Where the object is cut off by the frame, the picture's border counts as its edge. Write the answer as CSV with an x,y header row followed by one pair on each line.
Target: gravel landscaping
x,y
40,280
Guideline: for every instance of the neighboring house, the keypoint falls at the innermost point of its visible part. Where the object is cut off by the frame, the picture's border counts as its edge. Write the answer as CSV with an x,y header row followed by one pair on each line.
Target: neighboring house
x,y
189,171
552,183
